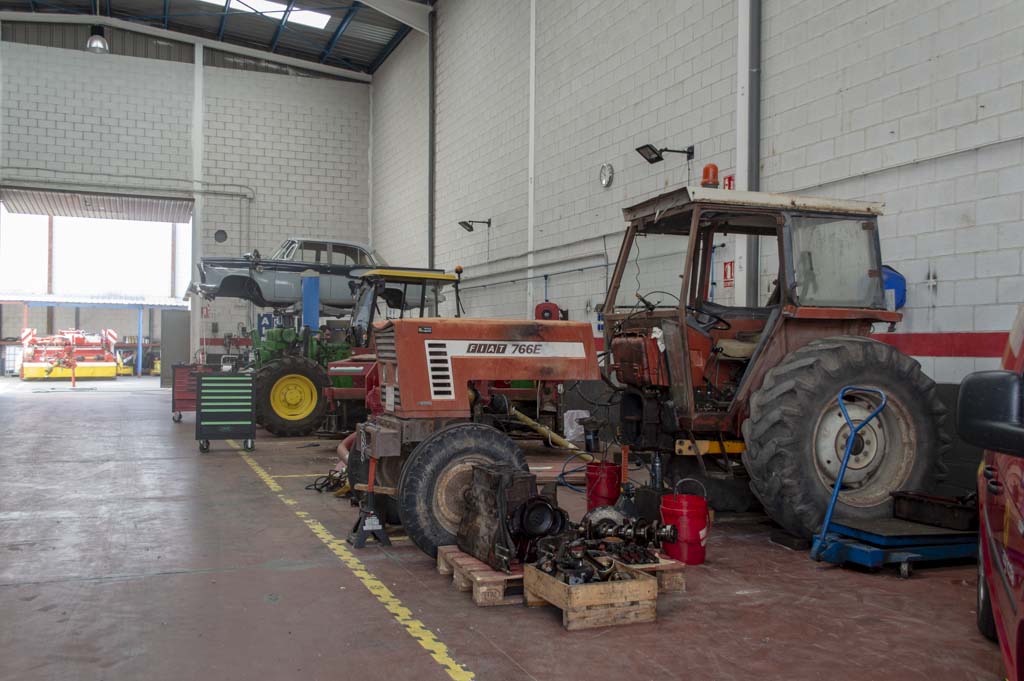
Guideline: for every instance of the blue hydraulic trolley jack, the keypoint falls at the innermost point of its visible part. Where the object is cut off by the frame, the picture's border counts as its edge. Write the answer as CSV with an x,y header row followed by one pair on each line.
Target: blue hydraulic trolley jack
x,y
884,541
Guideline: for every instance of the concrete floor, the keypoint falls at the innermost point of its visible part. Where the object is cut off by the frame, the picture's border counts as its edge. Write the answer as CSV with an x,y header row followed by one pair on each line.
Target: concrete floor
x,y
124,554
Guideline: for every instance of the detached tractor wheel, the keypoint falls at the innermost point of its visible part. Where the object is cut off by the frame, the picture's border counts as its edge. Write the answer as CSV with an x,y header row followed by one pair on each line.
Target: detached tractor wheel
x,y
437,474
796,434
290,396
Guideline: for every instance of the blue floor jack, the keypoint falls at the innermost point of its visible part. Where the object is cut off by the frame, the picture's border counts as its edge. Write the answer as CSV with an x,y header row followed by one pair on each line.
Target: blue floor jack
x,y
884,541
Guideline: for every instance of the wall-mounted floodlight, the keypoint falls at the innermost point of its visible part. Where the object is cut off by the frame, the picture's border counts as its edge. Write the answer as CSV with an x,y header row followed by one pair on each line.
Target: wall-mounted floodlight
x,y
97,43
468,224
652,154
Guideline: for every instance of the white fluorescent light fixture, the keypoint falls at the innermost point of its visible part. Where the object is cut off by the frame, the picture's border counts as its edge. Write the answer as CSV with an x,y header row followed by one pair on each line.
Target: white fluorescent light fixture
x,y
275,10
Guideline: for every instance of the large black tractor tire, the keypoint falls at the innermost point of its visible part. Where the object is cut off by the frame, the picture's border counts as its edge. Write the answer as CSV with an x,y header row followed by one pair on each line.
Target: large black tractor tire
x,y
388,471
725,495
439,470
796,434
290,396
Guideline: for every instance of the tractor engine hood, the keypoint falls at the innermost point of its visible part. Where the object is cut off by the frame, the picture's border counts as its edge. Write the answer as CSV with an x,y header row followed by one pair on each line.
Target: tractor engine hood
x,y
427,364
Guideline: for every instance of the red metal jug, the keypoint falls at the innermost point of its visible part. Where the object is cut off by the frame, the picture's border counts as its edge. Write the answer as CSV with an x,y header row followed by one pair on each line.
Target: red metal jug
x,y
602,484
689,513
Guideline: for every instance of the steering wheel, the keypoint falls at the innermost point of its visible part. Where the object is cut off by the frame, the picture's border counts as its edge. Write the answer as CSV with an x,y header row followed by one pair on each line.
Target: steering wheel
x,y
712,321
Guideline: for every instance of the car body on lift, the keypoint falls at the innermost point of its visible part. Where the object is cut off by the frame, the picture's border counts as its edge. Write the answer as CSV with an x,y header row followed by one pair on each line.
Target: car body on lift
x,y
703,381
277,281
990,414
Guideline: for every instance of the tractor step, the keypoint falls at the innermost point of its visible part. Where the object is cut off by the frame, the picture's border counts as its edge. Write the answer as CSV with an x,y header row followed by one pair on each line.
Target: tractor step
x,y
382,490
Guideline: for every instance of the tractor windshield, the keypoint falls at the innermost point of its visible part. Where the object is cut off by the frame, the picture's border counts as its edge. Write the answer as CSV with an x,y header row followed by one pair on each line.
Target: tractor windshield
x,y
836,262
652,271
378,299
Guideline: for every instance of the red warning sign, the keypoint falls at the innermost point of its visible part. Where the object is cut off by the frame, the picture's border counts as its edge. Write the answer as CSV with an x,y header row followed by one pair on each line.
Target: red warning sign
x,y
729,273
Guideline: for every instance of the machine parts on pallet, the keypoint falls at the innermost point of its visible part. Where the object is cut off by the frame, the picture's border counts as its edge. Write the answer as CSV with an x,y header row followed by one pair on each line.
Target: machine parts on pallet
x,y
607,522
504,517
572,561
590,550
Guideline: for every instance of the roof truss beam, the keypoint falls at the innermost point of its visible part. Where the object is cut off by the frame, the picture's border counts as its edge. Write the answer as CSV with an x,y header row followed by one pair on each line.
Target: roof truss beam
x,y
340,30
280,25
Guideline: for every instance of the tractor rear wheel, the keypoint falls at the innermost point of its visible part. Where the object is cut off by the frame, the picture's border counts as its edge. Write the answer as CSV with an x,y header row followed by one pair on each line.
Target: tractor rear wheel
x,y
796,434
431,489
290,396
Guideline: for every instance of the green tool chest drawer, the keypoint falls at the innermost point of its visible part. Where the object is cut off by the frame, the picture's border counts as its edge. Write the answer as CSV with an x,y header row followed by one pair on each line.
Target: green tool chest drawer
x,y
224,409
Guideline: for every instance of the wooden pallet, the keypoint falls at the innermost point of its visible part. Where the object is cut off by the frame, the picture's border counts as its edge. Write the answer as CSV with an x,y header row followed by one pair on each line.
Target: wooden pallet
x,y
597,604
489,586
669,573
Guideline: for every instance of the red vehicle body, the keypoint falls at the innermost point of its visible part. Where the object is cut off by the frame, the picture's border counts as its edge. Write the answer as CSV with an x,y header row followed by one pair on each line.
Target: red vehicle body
x,y
1001,533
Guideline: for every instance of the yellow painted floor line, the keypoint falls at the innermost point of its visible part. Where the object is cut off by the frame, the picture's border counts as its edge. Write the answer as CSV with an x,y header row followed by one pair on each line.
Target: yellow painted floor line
x,y
414,627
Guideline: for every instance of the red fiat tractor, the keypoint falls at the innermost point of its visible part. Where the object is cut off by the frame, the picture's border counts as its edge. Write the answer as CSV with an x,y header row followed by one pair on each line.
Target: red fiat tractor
x,y
745,397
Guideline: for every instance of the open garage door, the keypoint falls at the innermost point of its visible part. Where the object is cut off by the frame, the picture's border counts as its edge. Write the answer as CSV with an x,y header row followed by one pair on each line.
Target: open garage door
x,y
97,205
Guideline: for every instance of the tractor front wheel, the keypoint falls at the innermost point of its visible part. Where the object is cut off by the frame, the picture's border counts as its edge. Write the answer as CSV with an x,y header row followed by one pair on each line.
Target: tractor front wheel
x,y
796,434
290,396
439,470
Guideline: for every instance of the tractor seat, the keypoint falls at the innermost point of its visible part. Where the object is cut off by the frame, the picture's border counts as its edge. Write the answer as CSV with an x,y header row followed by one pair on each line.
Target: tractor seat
x,y
735,349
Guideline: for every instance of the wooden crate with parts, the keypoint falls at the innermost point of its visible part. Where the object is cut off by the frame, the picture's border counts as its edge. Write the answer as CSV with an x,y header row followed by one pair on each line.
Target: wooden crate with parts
x,y
597,604
489,586
668,572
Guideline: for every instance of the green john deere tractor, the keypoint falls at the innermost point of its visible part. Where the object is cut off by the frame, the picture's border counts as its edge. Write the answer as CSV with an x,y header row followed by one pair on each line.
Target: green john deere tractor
x,y
290,378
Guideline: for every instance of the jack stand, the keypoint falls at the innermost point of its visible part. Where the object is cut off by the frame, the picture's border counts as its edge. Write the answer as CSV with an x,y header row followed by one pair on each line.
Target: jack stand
x,y
369,523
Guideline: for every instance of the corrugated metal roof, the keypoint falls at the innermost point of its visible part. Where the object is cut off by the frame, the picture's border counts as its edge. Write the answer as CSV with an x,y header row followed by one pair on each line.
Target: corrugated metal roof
x,y
94,205
362,46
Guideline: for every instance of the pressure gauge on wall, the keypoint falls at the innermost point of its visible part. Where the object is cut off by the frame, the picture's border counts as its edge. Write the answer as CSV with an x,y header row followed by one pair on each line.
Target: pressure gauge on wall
x,y
607,174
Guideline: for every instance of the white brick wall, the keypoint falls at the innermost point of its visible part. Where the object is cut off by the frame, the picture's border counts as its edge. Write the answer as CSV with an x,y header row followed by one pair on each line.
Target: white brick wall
x,y
400,154
610,76
881,85
78,117
482,99
302,144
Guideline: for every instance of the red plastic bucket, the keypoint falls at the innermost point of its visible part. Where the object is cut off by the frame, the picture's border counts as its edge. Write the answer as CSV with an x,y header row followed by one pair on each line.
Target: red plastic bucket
x,y
602,484
689,513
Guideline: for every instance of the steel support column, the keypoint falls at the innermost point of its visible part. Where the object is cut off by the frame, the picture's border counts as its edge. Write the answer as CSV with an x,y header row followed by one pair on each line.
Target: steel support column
x,y
138,346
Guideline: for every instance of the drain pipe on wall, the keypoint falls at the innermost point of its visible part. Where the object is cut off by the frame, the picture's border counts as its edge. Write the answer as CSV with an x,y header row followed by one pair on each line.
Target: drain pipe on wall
x,y
754,143
748,139
431,134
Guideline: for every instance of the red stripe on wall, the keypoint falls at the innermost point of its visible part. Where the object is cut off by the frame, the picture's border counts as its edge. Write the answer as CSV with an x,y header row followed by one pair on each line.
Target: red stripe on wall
x,y
968,344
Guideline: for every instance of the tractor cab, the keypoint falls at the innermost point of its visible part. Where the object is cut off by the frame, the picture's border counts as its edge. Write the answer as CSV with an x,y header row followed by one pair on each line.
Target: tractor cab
x,y
383,294
672,319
